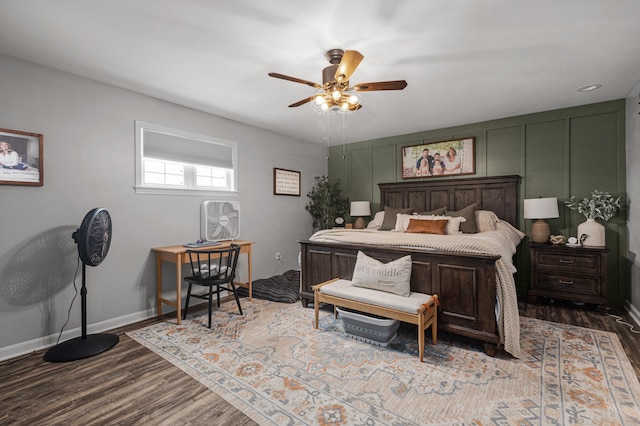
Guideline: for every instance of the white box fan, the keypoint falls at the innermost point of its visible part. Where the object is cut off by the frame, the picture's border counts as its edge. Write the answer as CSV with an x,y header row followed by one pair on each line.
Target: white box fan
x,y
220,220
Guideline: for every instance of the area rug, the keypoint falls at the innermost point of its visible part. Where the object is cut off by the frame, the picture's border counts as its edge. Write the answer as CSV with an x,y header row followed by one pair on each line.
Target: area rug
x,y
272,365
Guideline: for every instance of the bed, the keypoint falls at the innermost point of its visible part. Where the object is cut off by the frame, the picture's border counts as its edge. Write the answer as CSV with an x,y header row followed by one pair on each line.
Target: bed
x,y
472,276
29,174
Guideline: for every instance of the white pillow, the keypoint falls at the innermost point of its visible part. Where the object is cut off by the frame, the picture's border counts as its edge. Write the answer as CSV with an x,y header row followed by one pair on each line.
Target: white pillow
x,y
486,220
453,226
514,234
393,277
376,222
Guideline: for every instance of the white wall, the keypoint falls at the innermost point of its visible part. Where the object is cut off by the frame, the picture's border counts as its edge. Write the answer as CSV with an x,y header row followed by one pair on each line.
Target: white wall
x,y
633,191
88,132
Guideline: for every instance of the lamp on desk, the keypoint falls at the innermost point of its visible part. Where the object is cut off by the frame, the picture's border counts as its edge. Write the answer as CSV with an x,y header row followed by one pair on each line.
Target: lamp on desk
x,y
359,209
540,209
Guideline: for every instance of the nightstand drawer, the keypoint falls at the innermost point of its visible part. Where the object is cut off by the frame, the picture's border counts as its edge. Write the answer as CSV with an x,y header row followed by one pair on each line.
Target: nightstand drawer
x,y
587,262
566,282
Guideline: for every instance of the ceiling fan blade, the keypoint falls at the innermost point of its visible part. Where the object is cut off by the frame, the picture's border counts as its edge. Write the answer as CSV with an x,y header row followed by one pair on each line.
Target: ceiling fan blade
x,y
302,102
294,79
380,85
348,64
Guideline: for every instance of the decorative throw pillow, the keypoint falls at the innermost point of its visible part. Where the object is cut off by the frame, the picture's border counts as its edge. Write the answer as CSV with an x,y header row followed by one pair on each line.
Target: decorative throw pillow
x,y
469,213
376,222
436,212
486,220
393,277
453,225
389,221
436,226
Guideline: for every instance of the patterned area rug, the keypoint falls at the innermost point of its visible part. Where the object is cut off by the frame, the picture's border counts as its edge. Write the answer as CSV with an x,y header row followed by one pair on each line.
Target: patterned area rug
x,y
273,366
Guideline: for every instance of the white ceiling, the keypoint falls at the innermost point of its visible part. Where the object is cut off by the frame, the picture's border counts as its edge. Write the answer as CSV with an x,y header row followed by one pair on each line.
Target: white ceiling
x,y
465,61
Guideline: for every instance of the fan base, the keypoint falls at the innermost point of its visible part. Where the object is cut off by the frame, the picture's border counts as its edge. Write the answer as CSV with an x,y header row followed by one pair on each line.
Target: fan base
x,y
80,347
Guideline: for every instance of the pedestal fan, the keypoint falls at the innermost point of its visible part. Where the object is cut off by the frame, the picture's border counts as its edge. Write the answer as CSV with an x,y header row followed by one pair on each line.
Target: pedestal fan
x,y
93,239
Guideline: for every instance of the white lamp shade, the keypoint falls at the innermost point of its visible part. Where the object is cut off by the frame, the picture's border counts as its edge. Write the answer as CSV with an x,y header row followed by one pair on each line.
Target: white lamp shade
x,y
360,208
541,208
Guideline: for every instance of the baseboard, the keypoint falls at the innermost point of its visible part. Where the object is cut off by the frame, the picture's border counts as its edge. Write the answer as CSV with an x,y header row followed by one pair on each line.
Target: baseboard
x,y
633,312
47,341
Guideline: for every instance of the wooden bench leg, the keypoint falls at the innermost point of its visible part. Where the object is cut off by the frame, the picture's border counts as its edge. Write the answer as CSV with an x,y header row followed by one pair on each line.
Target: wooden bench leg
x,y
434,325
317,309
421,331
424,322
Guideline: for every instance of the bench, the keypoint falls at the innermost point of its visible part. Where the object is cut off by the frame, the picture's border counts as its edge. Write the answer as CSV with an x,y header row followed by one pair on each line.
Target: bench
x,y
419,309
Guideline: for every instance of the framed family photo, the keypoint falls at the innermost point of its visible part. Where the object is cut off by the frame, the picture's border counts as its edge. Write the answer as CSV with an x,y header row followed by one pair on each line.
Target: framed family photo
x,y
21,158
443,158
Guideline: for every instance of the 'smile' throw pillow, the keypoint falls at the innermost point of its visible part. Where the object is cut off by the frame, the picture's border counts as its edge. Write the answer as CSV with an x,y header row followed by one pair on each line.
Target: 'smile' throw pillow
x,y
393,277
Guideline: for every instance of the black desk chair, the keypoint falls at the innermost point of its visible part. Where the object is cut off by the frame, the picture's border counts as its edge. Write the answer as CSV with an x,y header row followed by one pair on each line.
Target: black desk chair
x,y
213,268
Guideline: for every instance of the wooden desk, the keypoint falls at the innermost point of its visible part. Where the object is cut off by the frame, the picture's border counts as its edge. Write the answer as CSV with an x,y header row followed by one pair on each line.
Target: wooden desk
x,y
178,256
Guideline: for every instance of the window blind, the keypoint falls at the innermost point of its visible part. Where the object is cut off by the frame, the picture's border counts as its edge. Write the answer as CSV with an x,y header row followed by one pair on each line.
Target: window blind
x,y
165,146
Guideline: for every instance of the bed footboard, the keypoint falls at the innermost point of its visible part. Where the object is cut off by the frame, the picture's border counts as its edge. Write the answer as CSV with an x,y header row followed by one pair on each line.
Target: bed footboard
x,y
466,284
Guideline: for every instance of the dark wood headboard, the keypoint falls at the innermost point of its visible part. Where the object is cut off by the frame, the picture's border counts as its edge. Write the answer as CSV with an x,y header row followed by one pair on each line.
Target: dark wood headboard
x,y
497,193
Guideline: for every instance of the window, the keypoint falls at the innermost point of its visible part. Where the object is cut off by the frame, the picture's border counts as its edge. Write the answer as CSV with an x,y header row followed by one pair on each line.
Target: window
x,y
170,161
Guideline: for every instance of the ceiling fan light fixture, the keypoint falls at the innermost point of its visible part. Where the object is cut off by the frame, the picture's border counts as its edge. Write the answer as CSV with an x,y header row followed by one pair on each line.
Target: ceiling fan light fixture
x,y
353,97
335,100
336,94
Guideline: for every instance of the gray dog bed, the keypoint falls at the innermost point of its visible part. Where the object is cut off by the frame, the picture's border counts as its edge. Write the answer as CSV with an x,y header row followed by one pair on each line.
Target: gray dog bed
x,y
279,288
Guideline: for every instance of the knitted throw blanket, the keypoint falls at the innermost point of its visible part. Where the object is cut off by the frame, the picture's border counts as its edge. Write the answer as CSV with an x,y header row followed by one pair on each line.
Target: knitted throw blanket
x,y
508,319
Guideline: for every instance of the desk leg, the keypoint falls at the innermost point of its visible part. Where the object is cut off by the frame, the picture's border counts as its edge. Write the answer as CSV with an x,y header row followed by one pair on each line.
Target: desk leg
x,y
178,288
249,258
159,282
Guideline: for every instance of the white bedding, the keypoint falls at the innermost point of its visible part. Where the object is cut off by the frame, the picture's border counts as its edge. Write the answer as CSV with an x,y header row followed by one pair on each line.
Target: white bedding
x,y
501,242
30,174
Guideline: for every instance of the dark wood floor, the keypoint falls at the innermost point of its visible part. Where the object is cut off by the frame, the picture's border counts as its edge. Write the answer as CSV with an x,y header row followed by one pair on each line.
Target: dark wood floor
x,y
129,384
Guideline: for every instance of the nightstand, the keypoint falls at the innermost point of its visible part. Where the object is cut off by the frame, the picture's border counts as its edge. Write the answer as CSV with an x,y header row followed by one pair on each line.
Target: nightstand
x,y
577,274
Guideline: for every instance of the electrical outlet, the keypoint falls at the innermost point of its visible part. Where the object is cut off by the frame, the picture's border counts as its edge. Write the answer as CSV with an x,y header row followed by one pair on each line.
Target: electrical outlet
x,y
278,256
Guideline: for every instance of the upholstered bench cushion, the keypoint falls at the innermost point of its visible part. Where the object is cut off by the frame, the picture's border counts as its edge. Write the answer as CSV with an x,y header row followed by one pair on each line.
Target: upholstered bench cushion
x,y
346,290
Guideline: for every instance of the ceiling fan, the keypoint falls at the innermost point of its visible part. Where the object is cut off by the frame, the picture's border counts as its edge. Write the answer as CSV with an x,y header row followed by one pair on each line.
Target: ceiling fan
x,y
335,93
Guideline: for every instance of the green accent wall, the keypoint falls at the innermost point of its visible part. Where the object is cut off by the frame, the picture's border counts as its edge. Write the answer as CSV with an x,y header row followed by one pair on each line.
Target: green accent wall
x,y
557,153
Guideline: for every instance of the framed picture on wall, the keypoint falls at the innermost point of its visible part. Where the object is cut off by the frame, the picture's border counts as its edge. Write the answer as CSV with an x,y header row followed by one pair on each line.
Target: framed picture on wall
x,y
443,158
21,158
286,182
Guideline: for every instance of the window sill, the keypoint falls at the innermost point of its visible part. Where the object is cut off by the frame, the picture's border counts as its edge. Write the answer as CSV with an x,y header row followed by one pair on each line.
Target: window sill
x,y
148,190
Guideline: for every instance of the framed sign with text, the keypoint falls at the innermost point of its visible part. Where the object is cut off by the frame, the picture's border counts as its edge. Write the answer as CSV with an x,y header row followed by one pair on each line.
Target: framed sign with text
x,y
286,182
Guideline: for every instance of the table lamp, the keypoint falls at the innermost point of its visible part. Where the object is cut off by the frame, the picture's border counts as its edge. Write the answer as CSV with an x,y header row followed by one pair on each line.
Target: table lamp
x,y
540,209
359,209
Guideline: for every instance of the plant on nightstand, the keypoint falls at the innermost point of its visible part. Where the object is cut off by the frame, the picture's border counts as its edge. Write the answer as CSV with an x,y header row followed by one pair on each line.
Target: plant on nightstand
x,y
326,202
600,205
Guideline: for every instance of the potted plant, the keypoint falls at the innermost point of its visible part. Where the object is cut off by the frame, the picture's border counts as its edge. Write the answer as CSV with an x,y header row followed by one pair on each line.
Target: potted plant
x,y
326,202
600,205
